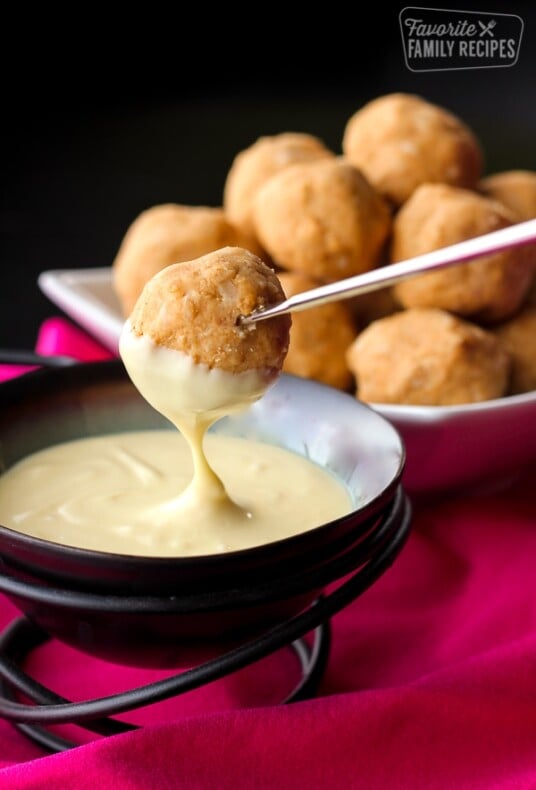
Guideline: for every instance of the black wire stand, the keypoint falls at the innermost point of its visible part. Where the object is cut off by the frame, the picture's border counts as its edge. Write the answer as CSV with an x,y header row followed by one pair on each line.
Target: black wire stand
x,y
360,567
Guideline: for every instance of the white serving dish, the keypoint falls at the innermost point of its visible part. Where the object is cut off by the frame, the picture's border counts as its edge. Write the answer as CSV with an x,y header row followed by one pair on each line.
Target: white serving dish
x,y
475,446
86,296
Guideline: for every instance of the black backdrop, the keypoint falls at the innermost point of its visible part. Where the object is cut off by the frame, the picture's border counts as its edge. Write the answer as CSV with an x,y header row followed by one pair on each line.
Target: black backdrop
x,y
102,120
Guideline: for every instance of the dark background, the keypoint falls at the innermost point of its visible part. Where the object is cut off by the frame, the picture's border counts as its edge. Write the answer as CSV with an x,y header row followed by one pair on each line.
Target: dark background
x,y
101,121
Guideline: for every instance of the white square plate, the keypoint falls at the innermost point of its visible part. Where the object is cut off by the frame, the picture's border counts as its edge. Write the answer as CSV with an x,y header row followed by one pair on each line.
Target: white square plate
x,y
86,296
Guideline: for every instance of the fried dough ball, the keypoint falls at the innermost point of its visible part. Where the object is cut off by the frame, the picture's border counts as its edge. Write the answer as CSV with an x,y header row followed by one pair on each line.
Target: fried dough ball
x,y
401,141
322,219
193,307
518,335
168,234
515,189
253,166
319,337
486,290
428,357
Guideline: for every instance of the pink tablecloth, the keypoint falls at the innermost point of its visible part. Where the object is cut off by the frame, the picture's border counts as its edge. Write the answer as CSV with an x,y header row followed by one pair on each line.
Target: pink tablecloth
x,y
431,682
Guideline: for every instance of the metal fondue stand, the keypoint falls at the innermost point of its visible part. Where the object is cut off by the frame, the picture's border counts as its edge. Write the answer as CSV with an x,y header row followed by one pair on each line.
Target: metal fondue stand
x,y
361,566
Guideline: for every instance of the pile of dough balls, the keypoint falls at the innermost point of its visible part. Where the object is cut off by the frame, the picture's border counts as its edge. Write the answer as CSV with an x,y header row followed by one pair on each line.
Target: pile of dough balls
x,y
409,179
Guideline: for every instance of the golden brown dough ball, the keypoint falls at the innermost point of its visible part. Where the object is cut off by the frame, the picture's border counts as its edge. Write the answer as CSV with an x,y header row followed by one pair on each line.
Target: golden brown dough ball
x,y
488,289
515,189
253,166
518,335
319,337
401,141
193,307
322,219
428,357
168,234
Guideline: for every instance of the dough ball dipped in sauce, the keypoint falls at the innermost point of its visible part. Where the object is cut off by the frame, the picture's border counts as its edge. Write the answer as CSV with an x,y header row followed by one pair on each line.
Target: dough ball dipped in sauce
x,y
192,360
183,492
189,356
193,308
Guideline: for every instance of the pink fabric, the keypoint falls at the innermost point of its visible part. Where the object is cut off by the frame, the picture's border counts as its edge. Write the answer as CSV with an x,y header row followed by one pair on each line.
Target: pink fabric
x,y
431,683
59,336
10,371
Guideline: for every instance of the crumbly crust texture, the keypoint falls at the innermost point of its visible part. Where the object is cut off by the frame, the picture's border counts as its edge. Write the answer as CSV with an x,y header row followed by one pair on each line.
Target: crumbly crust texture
x,y
322,219
255,165
193,307
401,141
486,290
430,358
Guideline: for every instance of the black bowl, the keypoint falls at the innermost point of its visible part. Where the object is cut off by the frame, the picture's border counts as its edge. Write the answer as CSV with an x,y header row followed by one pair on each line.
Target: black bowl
x,y
151,611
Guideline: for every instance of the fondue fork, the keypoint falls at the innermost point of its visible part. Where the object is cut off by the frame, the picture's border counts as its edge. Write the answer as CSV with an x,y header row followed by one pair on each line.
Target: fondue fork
x,y
9,356
464,251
